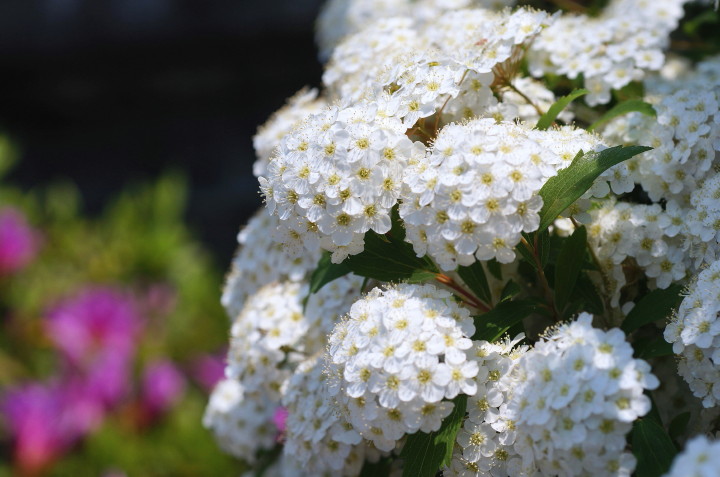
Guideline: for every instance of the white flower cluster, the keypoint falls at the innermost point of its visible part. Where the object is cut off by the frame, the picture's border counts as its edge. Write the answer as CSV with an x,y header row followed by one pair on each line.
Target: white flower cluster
x,y
611,50
261,260
268,331
446,64
272,334
695,335
304,103
477,189
703,221
481,450
701,458
317,438
340,18
653,237
337,176
397,356
241,421
683,136
571,400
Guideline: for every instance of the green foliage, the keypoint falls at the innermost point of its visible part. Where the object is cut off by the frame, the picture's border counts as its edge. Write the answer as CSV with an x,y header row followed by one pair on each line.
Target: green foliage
x,y
572,255
474,277
560,191
656,305
390,259
425,454
140,243
492,325
625,107
547,119
325,272
652,447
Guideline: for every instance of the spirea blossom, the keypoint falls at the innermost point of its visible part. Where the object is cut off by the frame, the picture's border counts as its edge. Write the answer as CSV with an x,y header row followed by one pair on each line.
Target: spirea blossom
x,y
399,354
241,421
649,235
571,400
263,335
481,449
304,103
337,176
700,458
317,438
260,260
695,335
477,189
611,50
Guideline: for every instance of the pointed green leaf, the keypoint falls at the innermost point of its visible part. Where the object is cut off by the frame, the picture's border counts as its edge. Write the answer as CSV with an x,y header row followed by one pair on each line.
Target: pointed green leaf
x,y
326,272
678,425
652,447
509,291
629,106
656,305
425,454
389,260
474,277
494,268
560,191
547,119
492,325
652,348
592,301
570,260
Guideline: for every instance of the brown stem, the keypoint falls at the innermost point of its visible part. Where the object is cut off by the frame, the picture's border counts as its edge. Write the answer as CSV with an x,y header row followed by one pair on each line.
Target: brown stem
x,y
525,97
467,297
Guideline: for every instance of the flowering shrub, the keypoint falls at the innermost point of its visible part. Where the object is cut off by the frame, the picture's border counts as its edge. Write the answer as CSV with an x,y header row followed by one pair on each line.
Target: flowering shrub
x,y
103,370
458,271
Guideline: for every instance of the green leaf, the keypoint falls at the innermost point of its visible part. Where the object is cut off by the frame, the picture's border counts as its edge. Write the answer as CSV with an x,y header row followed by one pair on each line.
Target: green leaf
x,y
656,305
325,272
678,425
375,469
585,288
547,119
474,277
544,244
525,251
425,454
494,268
569,263
389,259
492,325
652,348
629,106
509,291
652,447
560,191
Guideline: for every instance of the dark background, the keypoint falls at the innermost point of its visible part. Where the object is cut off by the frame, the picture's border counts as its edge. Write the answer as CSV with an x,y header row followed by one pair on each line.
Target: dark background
x,y
111,92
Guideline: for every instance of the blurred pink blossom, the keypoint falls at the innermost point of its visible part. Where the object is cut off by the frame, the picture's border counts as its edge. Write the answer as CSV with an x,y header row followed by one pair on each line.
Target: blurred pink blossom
x,y
280,419
209,369
96,332
162,386
44,420
19,243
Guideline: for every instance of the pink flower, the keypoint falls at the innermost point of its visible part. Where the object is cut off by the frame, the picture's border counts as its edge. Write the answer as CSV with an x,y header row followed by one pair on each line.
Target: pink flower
x,y
19,243
44,420
209,369
280,419
96,332
162,386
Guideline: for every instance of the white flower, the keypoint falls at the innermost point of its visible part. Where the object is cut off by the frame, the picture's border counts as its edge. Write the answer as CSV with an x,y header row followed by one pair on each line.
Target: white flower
x,y
404,326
